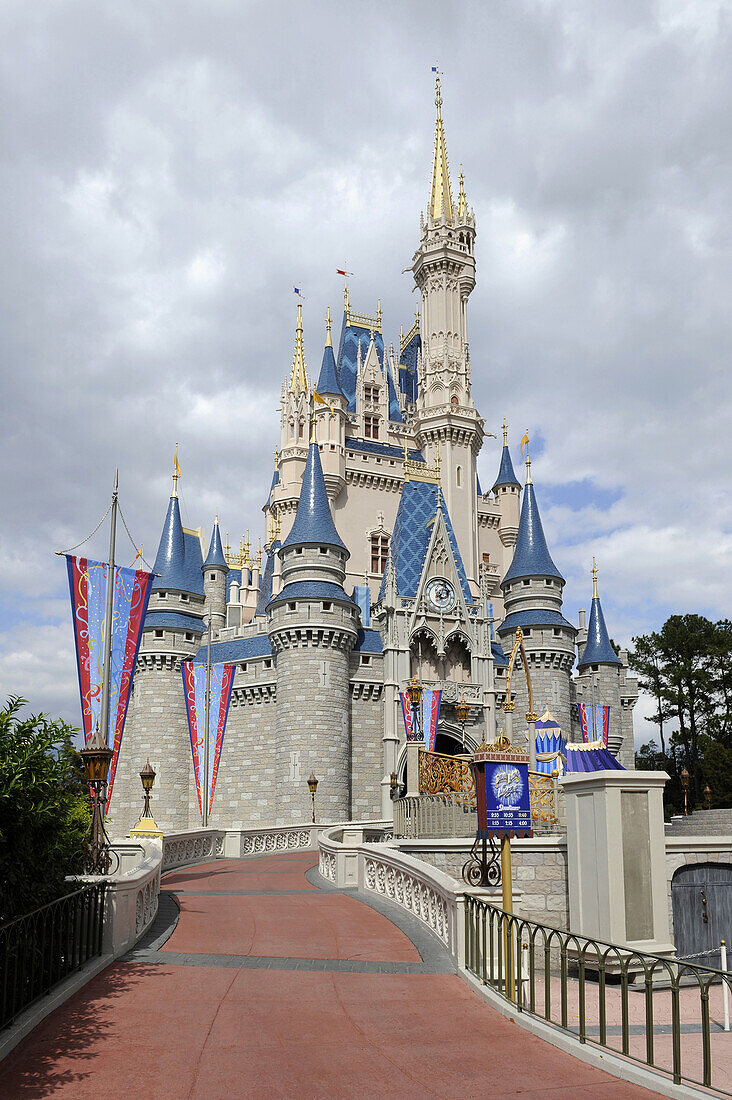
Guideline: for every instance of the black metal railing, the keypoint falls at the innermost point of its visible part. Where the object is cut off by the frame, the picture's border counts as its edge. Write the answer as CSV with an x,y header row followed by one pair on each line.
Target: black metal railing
x,y
649,1008
40,949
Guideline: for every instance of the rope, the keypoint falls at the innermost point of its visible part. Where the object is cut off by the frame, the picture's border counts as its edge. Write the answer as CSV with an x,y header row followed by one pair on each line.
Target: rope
x,y
91,536
138,553
698,954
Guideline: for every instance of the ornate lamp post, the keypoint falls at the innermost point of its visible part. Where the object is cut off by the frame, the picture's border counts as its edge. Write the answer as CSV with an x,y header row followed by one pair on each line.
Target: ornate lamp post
x,y
96,758
708,796
463,710
685,783
147,826
414,693
312,786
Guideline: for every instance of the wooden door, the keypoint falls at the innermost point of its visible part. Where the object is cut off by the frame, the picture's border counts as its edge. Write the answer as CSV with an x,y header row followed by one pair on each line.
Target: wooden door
x,y
701,897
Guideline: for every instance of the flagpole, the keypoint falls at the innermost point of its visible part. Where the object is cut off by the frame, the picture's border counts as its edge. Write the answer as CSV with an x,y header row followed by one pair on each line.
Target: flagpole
x,y
107,666
207,724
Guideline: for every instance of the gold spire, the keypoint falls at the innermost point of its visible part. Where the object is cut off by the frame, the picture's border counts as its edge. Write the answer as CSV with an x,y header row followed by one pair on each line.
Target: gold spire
x,y
505,432
277,458
328,338
462,200
528,470
594,578
440,194
299,376
176,472
259,555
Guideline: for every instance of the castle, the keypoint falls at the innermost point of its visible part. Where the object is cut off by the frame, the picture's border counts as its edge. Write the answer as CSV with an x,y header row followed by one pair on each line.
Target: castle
x,y
384,559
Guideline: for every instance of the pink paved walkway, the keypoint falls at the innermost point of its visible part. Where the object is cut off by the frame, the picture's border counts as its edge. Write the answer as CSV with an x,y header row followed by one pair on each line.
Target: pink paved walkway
x,y
209,1028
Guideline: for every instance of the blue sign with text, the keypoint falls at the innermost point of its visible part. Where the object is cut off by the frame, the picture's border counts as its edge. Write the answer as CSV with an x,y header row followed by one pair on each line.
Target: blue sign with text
x,y
507,804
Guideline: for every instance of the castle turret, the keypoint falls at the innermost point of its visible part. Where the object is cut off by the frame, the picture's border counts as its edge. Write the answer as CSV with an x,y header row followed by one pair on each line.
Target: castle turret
x,y
331,419
313,627
602,681
532,593
507,489
214,580
156,721
447,421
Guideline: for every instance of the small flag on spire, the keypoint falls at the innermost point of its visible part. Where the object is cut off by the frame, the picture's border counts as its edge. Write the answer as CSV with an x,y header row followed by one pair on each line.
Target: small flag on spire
x,y
322,401
296,290
524,443
176,464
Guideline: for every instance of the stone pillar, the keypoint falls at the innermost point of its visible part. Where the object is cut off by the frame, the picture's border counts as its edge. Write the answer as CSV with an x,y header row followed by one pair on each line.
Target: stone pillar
x,y
413,748
616,854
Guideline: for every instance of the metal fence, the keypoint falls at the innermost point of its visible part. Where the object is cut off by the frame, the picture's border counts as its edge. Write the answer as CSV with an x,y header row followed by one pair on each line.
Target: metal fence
x,y
40,949
628,1002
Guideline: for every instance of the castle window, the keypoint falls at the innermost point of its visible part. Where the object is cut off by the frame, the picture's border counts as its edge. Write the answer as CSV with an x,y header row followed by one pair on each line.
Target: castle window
x,y
459,476
301,430
454,401
379,551
486,559
268,664
548,583
371,427
323,549
158,633
298,549
365,660
243,667
291,607
371,394
595,668
189,637
163,595
212,576
526,583
326,605
184,597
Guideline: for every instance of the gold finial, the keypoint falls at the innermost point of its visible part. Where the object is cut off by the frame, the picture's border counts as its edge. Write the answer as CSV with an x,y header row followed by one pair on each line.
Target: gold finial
x,y
346,302
378,311
594,578
416,317
462,199
276,524
528,470
505,432
299,376
328,338
440,194
313,426
176,472
227,550
259,555
277,458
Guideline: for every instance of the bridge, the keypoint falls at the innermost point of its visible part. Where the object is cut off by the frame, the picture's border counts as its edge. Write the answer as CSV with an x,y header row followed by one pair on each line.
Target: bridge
x,y
238,964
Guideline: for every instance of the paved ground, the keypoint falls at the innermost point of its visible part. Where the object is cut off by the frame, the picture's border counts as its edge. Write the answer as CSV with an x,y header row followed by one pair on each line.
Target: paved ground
x,y
272,987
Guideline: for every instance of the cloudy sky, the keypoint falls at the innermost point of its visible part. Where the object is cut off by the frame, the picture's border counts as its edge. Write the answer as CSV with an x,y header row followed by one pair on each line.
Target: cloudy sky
x,y
171,168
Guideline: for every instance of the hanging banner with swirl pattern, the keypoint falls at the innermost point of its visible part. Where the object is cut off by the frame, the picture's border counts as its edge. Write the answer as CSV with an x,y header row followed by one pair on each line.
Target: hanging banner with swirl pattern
x,y
594,722
194,686
88,588
430,714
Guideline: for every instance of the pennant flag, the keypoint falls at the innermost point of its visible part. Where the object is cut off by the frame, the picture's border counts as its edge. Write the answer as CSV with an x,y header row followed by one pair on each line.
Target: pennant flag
x,y
88,589
344,273
194,687
594,721
296,290
524,443
176,464
430,715
322,401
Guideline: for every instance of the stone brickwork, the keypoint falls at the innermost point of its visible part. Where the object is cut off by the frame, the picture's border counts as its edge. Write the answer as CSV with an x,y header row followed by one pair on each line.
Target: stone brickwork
x,y
246,782
313,725
157,728
367,726
539,869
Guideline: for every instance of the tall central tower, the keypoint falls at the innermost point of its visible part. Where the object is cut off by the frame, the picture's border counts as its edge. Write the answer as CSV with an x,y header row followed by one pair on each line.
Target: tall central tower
x,y
444,271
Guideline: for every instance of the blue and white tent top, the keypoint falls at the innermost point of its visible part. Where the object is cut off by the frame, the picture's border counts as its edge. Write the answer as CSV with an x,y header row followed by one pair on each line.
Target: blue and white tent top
x,y
591,756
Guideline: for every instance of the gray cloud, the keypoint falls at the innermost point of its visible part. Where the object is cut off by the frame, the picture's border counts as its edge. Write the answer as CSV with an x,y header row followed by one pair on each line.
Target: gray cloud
x,y
172,169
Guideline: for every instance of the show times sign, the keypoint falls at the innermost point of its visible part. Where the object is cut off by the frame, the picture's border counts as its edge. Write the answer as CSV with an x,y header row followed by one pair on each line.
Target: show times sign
x,y
502,794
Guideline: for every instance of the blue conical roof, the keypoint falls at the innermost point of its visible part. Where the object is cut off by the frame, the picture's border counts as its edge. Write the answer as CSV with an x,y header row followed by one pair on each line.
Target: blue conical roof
x,y
598,650
313,524
328,380
265,584
395,413
178,561
215,558
531,557
506,474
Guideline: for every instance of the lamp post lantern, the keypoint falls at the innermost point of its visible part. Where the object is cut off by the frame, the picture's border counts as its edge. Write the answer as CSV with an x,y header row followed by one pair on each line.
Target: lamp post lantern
x,y
708,796
463,711
312,786
96,757
685,783
147,825
414,693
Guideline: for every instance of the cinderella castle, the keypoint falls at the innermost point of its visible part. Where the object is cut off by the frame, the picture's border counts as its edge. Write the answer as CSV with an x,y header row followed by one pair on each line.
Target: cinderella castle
x,y
384,559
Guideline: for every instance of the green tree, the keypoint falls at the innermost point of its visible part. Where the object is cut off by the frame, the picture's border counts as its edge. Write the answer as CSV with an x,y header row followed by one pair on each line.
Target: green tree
x,y
44,809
